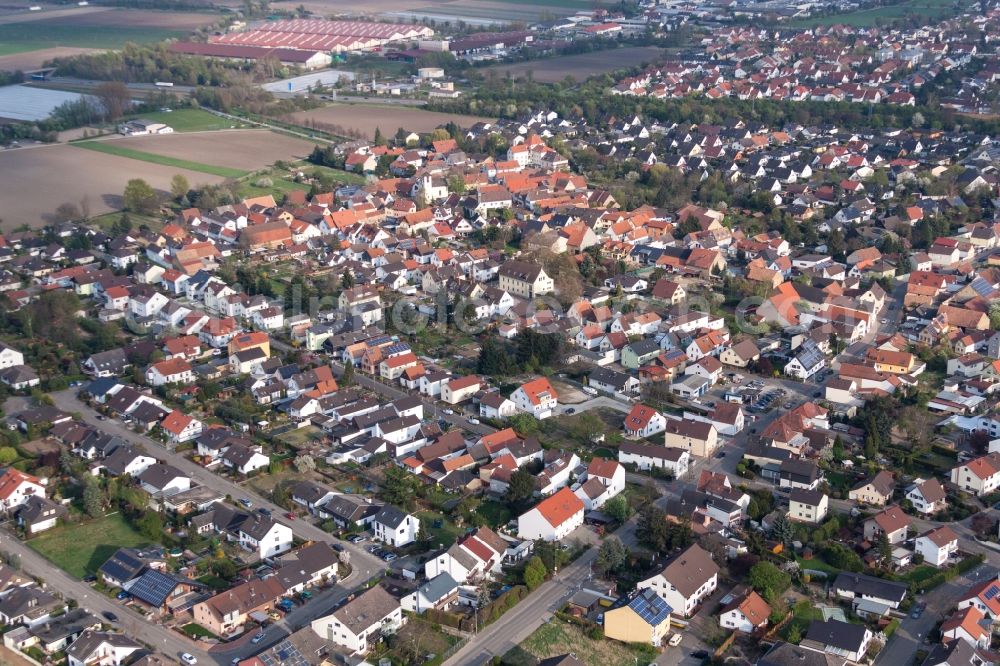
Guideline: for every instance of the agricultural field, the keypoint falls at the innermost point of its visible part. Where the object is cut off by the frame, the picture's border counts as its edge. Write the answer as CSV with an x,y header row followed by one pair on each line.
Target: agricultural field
x,y
102,29
243,150
580,67
927,9
32,175
81,548
28,60
115,148
365,118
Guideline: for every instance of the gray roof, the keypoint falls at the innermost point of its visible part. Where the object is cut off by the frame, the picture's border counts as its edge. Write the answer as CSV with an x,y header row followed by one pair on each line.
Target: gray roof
x,y
788,654
84,646
834,633
368,608
439,587
390,516
870,586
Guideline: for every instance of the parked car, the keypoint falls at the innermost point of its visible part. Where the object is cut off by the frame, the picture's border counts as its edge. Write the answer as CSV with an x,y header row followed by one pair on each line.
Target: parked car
x,y
290,515
447,411
264,512
109,616
389,557
245,502
188,658
355,538
123,595
90,579
675,640
570,410
257,638
337,547
473,421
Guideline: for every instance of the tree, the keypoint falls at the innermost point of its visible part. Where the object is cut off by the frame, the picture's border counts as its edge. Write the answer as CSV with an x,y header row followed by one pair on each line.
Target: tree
x,y
794,634
150,525
179,186
884,549
67,212
839,556
653,530
115,99
93,501
611,555
399,487
139,197
617,507
379,139
782,531
534,573
348,378
520,489
8,454
769,581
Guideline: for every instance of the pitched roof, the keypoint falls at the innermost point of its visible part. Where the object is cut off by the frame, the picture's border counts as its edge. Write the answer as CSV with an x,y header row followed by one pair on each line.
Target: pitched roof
x,y
560,506
690,570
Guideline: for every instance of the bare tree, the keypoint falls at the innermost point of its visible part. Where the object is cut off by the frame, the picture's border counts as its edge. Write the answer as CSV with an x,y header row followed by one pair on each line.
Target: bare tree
x,y
115,99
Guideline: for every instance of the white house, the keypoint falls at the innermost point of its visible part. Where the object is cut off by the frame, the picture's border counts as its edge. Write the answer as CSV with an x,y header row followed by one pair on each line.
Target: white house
x,y
101,648
536,397
395,527
361,622
927,496
605,479
967,624
9,357
477,554
245,459
553,518
646,456
438,593
937,545
807,506
686,581
164,479
16,487
842,639
980,476
644,421
174,371
264,536
747,612
808,360
494,406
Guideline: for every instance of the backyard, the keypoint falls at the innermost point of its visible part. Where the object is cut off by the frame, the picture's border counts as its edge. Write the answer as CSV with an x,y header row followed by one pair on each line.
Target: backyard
x,y
81,548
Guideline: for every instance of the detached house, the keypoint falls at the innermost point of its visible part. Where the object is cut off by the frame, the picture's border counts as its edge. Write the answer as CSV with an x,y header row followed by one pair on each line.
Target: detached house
x,y
747,612
696,437
980,476
891,521
395,527
644,421
686,581
553,518
525,280
16,488
361,622
927,496
876,491
536,397
937,545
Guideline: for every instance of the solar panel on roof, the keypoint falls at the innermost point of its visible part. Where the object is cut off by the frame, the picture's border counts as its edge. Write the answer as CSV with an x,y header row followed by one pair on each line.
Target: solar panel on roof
x,y
992,592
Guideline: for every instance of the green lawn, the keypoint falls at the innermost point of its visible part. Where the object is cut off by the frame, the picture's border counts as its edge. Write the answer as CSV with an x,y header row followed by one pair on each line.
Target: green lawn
x,y
106,221
81,548
35,35
113,148
338,175
279,186
189,120
444,535
920,573
817,564
495,513
197,631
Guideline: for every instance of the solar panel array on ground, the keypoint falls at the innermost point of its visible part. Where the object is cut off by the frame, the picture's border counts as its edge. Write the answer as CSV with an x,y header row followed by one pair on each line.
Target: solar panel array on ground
x,y
321,35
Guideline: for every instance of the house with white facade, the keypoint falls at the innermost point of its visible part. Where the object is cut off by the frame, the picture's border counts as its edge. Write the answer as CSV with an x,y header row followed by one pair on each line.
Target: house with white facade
x,y
362,622
937,546
536,397
553,518
686,581
395,527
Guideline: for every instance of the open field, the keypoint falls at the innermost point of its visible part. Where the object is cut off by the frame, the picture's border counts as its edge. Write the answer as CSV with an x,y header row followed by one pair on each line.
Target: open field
x,y
245,150
556,637
366,118
928,9
582,66
37,179
98,30
115,148
80,549
34,59
189,120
